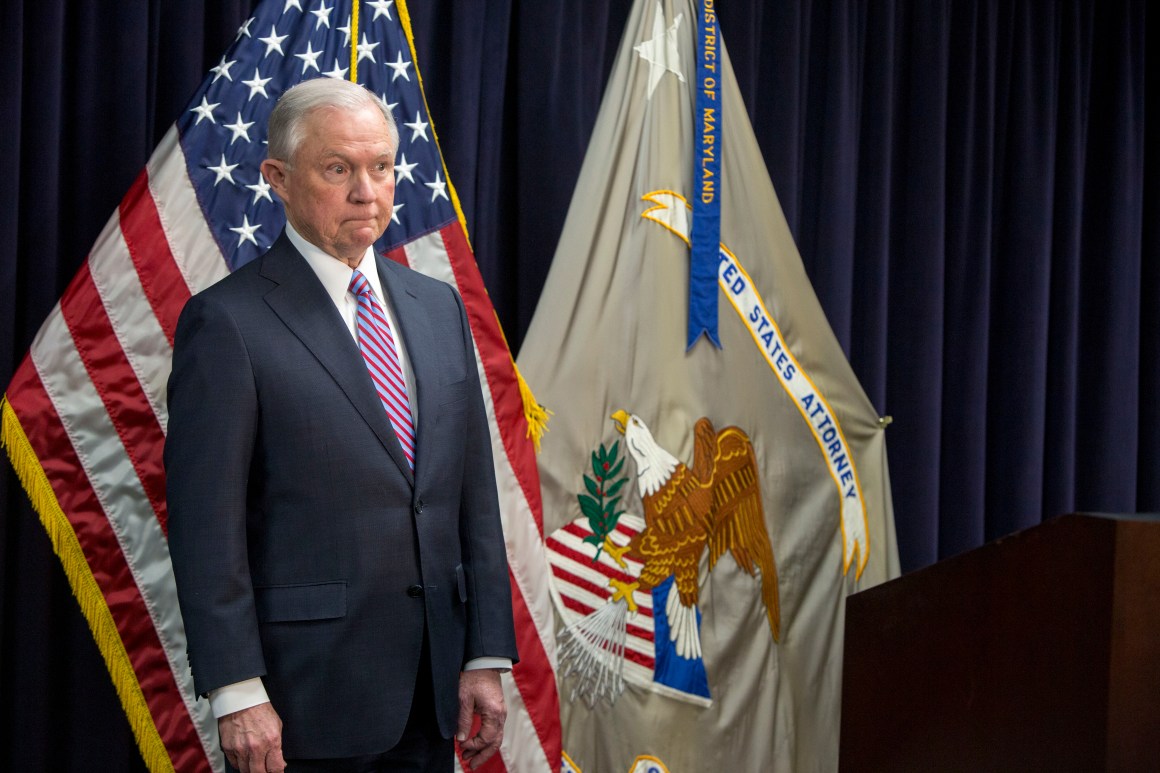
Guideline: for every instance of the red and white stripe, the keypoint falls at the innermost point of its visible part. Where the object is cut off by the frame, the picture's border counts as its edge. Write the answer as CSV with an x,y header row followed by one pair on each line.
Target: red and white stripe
x,y
90,397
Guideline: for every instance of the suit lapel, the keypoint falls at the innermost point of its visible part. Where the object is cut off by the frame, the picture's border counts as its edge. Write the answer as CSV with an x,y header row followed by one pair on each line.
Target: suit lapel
x,y
303,305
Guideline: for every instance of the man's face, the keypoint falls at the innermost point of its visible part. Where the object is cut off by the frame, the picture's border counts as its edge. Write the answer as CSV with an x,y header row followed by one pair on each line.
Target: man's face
x,y
339,188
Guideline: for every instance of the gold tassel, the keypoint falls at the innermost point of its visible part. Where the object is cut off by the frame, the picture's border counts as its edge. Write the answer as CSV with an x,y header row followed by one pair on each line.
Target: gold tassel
x,y
84,587
535,414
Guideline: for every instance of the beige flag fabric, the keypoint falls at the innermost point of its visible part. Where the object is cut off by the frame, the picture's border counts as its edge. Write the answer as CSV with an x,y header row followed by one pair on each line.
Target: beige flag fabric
x,y
707,511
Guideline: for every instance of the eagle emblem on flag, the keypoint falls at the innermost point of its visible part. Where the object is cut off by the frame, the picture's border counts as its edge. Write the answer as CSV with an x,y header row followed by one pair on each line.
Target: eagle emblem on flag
x,y
636,600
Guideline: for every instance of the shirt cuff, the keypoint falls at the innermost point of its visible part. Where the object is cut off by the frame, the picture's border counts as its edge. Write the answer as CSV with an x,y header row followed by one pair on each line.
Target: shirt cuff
x,y
500,664
237,696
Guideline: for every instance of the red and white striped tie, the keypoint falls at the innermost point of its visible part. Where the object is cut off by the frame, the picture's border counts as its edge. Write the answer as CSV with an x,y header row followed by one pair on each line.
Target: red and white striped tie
x,y
377,345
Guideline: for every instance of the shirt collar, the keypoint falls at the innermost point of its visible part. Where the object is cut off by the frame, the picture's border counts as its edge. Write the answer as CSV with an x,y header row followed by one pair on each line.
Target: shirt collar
x,y
333,273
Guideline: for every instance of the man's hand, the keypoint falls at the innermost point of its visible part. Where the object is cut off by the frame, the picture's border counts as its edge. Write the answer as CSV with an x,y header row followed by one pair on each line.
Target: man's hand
x,y
480,693
252,739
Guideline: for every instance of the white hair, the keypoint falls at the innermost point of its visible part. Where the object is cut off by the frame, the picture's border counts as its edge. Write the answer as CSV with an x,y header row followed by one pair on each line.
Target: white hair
x,y
285,131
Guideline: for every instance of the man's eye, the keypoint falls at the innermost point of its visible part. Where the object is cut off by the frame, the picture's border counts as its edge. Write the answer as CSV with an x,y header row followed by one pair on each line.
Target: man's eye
x,y
338,169
381,168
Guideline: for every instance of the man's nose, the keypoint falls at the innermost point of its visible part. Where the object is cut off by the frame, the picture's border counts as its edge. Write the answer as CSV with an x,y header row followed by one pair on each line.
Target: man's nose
x,y
361,188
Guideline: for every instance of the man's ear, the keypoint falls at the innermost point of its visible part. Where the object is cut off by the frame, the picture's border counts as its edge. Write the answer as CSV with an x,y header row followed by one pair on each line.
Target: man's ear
x,y
274,170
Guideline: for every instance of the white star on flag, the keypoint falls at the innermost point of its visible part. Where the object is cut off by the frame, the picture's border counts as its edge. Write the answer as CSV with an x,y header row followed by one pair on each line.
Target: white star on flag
x,y
246,231
245,29
291,4
382,8
438,188
223,170
345,32
395,213
240,130
323,16
418,127
273,42
400,68
205,110
403,169
257,85
660,51
309,58
389,105
366,49
338,73
261,190
223,70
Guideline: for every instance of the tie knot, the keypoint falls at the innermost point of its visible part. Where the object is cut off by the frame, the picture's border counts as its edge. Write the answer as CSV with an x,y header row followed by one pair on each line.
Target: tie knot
x,y
359,284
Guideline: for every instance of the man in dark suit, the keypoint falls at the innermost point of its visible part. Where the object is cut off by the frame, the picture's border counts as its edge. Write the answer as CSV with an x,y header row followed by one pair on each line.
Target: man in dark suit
x,y
333,517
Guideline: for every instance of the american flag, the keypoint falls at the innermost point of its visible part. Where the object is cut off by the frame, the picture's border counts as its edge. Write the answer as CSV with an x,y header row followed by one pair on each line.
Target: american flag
x,y
85,415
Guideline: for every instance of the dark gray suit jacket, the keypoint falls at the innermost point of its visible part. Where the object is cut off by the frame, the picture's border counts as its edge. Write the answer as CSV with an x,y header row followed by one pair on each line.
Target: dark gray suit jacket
x,y
304,549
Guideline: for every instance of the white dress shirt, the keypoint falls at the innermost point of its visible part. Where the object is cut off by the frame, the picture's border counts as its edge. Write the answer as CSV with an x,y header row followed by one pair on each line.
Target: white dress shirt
x,y
335,276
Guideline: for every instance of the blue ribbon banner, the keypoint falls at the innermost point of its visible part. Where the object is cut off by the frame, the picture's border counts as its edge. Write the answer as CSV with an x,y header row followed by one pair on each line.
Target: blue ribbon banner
x,y
705,236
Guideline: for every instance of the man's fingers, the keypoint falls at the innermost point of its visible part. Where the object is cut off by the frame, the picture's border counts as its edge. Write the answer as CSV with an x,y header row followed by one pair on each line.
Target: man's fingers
x,y
466,714
483,745
275,763
491,728
476,751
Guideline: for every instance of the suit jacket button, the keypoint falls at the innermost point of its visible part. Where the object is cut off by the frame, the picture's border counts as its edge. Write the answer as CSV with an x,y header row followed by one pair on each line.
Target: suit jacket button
x,y
415,591
418,508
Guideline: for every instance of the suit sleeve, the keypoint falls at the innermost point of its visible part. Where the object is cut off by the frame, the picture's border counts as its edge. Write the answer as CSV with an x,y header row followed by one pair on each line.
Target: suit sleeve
x,y
490,629
213,415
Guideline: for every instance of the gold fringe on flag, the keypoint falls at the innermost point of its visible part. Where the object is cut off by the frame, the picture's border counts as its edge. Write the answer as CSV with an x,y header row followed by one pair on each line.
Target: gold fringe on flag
x,y
84,587
354,42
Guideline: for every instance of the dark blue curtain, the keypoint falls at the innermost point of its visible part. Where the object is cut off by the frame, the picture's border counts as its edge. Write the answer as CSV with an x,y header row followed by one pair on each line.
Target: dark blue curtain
x,y
973,186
